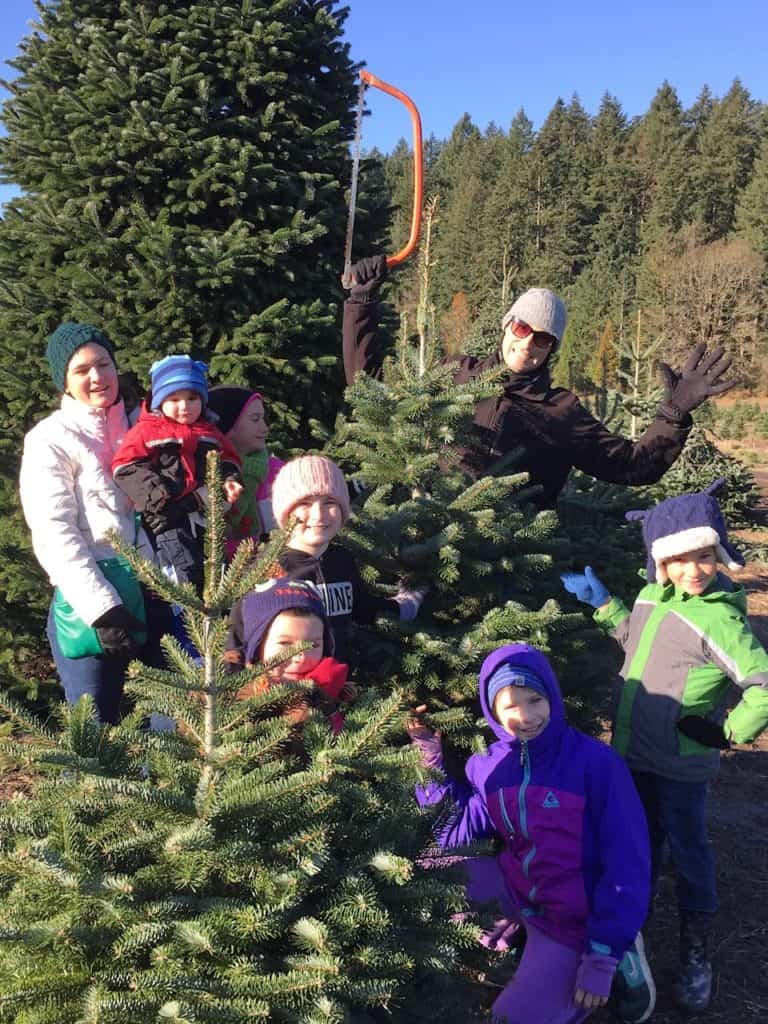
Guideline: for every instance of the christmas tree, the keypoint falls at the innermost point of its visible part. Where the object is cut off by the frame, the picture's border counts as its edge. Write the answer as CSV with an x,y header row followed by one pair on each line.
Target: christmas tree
x,y
183,170
204,874
481,547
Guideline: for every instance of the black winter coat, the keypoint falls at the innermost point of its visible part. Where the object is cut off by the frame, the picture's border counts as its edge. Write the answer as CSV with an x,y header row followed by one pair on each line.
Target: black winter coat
x,y
552,426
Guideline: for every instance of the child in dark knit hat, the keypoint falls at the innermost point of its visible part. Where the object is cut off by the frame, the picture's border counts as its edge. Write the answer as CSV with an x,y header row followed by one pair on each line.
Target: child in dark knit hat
x,y
685,640
161,465
312,490
241,417
573,871
280,615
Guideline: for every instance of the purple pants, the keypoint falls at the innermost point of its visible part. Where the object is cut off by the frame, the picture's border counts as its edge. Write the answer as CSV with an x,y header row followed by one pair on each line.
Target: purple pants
x,y
542,989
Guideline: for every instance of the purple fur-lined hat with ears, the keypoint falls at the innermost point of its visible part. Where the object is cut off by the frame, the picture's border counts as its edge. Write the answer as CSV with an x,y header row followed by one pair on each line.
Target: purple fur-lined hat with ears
x,y
686,523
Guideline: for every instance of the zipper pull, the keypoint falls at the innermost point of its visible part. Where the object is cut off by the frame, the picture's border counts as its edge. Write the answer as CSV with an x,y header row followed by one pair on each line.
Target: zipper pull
x,y
523,751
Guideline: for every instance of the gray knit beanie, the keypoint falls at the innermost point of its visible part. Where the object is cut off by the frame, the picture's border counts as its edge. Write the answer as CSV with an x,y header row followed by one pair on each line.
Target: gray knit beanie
x,y
540,308
65,341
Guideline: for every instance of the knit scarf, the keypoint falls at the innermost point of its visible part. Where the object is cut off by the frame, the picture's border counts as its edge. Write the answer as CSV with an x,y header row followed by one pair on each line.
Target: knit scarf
x,y
244,515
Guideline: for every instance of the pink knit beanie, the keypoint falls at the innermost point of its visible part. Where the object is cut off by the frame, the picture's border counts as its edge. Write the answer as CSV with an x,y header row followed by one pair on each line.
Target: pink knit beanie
x,y
307,477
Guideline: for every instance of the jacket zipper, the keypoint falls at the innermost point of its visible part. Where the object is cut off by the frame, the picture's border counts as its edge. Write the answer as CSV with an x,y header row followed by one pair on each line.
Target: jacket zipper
x,y
525,761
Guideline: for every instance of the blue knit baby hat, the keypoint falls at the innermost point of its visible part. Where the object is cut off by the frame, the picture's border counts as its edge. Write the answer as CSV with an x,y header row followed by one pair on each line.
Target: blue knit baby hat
x,y
177,373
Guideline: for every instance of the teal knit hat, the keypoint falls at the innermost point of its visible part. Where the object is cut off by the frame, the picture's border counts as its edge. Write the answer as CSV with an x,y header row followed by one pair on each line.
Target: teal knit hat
x,y
65,341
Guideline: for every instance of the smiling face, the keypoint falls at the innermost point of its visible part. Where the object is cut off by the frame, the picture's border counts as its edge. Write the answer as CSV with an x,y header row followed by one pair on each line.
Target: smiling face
x,y
693,571
525,354
287,629
249,432
319,519
522,711
183,406
92,377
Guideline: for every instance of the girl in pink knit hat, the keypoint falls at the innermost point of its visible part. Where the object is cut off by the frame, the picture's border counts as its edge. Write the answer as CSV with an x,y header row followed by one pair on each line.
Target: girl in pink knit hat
x,y
312,491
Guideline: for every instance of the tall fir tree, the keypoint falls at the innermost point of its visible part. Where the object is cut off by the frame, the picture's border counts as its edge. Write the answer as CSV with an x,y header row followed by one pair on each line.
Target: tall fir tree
x,y
752,206
661,150
563,210
183,171
726,148
507,218
614,189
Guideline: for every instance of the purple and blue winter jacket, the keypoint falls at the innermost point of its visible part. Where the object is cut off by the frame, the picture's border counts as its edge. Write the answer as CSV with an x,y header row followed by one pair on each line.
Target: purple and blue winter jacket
x,y
576,859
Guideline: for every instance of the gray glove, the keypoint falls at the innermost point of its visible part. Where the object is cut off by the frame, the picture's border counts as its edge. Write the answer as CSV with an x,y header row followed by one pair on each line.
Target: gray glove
x,y
368,275
699,380
409,601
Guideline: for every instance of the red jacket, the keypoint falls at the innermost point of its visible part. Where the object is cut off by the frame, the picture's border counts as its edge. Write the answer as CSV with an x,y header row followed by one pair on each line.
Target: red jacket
x,y
160,462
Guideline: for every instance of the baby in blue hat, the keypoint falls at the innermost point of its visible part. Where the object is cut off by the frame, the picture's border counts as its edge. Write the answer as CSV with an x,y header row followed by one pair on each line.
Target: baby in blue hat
x,y
161,465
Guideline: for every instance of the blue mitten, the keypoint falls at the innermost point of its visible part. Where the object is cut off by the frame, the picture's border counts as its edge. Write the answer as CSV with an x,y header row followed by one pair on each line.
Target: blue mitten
x,y
586,587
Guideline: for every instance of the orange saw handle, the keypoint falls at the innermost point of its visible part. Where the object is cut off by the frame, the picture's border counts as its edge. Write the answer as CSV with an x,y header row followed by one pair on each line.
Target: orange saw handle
x,y
418,165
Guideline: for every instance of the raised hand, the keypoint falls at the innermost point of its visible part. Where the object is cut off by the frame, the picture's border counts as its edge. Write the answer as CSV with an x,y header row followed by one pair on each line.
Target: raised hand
x,y
586,587
368,275
700,379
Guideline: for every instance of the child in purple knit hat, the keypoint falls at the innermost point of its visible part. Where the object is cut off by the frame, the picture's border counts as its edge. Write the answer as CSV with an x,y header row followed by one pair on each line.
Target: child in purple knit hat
x,y
685,641
574,868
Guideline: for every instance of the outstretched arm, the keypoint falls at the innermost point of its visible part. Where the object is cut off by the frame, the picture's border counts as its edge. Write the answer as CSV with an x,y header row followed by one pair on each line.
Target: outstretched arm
x,y
619,460
468,818
610,612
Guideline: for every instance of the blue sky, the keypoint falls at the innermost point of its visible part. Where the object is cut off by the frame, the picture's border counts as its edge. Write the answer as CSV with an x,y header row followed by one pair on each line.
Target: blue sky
x,y
491,57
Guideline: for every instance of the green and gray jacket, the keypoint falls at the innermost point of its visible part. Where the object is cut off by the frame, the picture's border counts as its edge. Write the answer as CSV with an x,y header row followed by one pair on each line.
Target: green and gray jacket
x,y
681,653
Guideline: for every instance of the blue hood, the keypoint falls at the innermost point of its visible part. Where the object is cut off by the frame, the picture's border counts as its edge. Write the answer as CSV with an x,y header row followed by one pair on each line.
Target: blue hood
x,y
522,656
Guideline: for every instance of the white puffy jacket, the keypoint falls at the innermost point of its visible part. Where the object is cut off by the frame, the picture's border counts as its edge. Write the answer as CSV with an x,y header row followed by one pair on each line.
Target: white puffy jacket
x,y
70,501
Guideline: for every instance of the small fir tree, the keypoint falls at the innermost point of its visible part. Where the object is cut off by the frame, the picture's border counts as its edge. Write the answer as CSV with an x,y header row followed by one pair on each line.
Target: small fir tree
x,y
204,874
480,547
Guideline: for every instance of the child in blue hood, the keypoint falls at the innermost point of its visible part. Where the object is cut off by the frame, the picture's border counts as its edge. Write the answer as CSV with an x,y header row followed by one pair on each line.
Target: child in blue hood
x,y
575,867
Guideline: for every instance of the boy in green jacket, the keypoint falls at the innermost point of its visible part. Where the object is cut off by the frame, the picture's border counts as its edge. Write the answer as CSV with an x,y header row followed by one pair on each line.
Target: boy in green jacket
x,y
685,640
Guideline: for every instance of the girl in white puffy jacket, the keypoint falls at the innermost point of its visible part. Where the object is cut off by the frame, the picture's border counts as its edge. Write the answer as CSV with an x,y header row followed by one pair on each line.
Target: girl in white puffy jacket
x,y
70,502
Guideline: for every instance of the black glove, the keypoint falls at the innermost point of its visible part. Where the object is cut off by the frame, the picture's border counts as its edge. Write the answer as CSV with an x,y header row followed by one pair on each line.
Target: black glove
x,y
113,629
709,734
699,380
156,499
368,276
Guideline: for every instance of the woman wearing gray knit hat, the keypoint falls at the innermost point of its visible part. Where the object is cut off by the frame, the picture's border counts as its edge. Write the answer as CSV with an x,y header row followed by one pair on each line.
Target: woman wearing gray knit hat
x,y
551,425
71,502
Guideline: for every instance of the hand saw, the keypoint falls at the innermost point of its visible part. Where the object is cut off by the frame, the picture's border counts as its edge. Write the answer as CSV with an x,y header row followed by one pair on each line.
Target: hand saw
x,y
367,79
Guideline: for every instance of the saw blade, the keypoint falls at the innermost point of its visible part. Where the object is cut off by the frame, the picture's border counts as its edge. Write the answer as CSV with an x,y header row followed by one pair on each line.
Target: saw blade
x,y
346,278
